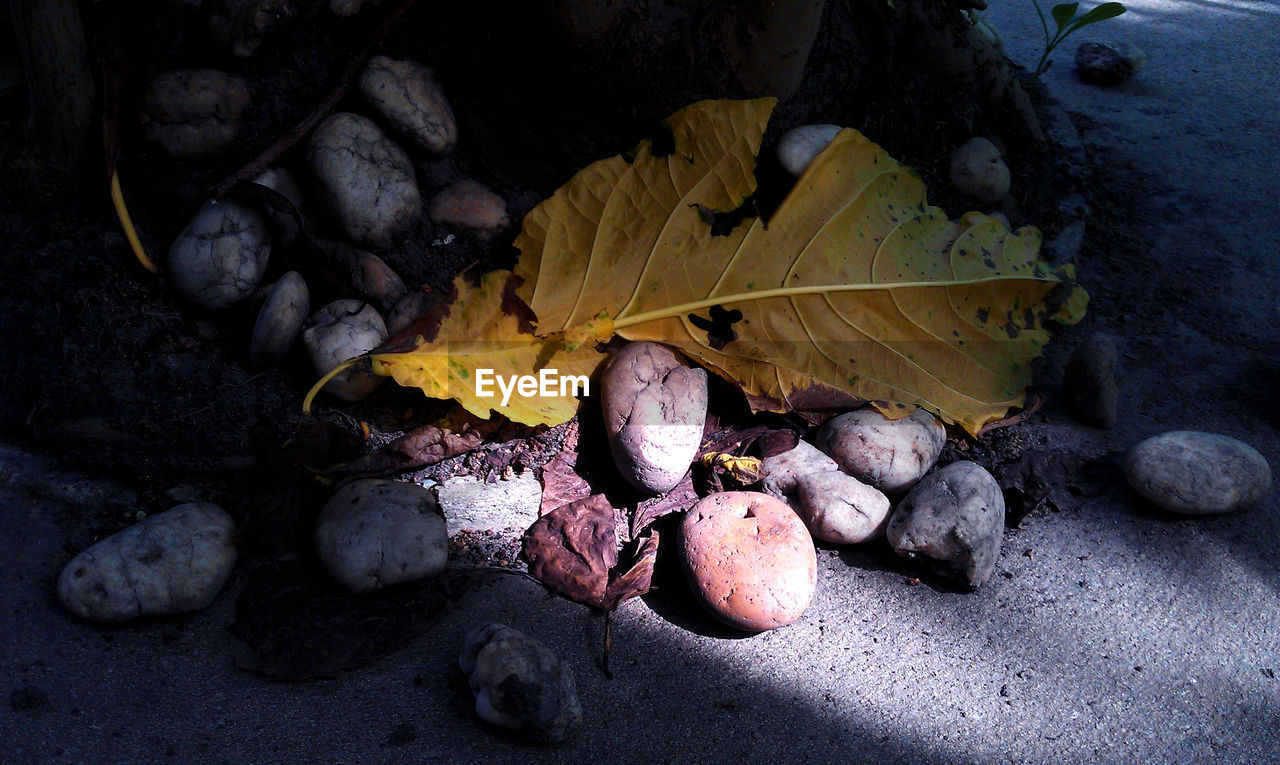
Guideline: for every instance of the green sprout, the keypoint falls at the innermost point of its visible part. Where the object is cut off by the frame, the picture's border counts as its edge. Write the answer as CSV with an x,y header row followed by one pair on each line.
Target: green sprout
x,y
1065,16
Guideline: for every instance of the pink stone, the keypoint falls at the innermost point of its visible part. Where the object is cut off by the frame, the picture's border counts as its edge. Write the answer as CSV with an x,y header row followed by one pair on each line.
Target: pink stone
x,y
749,558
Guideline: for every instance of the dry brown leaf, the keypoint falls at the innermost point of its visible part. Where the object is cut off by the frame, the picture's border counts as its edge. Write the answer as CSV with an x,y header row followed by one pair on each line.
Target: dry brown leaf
x,y
572,549
638,579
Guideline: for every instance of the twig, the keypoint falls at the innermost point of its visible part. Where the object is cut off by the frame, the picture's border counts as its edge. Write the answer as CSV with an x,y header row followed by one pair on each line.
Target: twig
x,y
260,163
608,643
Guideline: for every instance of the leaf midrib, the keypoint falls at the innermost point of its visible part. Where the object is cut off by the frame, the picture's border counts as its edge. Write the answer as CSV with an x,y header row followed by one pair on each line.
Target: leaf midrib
x,y
819,289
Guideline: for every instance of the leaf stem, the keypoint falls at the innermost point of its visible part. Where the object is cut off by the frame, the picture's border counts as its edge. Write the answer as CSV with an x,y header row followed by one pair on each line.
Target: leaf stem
x,y
126,223
311,394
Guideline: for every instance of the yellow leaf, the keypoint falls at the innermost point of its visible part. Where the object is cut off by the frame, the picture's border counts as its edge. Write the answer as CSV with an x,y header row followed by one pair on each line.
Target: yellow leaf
x,y
857,289
479,337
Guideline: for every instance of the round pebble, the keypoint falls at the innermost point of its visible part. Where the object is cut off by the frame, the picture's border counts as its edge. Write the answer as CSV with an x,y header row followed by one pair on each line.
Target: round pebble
x,y
376,532
170,563
890,455
1194,473
749,558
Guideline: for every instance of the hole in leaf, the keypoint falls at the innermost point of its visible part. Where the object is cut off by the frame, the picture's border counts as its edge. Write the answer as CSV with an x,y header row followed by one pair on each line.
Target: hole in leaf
x,y
719,327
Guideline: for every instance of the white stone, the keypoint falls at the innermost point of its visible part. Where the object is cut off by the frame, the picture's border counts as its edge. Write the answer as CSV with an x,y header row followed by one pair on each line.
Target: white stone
x,y
220,257
342,330
840,509
170,563
409,96
799,145
366,179
655,407
377,532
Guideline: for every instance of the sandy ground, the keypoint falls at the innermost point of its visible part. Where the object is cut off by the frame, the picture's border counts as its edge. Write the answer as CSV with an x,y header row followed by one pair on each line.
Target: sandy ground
x,y
1112,632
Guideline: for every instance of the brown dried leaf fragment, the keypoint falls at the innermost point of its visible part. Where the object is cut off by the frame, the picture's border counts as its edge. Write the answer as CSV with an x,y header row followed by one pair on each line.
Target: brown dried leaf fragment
x,y
458,433
638,579
572,549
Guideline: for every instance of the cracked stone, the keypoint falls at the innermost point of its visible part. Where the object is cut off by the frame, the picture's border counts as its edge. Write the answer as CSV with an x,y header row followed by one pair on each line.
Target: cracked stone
x,y
340,331
220,257
366,179
654,406
408,95
840,509
470,504
890,455
783,472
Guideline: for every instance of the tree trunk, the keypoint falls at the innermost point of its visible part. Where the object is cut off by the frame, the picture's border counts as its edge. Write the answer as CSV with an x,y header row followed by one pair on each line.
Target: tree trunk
x,y
59,83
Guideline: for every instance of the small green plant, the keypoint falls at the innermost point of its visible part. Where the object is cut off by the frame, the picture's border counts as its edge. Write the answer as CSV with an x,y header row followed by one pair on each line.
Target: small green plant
x,y
1065,16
